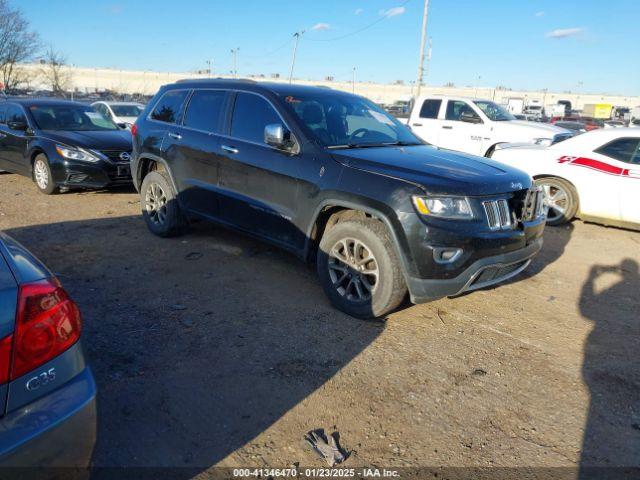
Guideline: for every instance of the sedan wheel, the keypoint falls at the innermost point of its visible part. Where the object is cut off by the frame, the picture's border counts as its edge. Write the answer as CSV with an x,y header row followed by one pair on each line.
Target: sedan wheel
x,y
560,200
41,174
555,201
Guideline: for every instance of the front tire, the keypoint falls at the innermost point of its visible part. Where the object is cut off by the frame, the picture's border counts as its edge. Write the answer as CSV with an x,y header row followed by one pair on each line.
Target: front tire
x,y
359,270
560,198
160,208
42,175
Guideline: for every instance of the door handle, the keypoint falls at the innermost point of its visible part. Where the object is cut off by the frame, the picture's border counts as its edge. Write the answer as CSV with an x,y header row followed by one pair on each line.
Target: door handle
x,y
176,136
229,149
416,124
3,135
447,127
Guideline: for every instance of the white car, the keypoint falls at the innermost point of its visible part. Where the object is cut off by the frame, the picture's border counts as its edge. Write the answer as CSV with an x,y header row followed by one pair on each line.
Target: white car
x,y
124,114
476,126
594,176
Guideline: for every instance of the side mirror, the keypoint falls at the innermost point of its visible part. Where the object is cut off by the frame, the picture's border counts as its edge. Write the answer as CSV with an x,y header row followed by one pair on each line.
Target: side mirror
x,y
276,135
20,125
470,118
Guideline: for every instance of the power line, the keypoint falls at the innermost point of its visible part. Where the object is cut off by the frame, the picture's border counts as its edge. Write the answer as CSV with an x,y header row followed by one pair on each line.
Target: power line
x,y
366,27
271,52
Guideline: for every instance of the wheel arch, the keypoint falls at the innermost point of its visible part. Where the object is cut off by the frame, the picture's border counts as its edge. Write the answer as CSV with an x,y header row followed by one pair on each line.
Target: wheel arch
x,y
149,163
331,211
492,148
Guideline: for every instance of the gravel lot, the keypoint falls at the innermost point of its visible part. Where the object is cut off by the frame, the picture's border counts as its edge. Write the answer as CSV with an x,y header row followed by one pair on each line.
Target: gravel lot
x,y
216,350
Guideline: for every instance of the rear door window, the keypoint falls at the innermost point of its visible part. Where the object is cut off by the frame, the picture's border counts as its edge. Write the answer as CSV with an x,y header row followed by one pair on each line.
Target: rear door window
x,y
430,108
205,110
251,113
169,107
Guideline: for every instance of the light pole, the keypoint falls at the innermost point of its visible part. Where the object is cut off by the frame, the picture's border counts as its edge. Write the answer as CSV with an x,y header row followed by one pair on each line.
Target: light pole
x,y
423,41
210,67
297,36
234,52
353,81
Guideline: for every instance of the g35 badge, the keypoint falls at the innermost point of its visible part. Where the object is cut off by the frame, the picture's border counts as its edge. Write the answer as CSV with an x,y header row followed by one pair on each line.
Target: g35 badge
x,y
41,379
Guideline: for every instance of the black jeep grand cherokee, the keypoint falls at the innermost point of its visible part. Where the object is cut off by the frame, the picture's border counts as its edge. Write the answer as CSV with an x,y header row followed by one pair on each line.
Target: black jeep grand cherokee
x,y
330,175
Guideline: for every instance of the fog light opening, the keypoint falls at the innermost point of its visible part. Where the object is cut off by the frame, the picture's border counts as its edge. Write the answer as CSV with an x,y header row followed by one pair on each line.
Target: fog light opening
x,y
446,255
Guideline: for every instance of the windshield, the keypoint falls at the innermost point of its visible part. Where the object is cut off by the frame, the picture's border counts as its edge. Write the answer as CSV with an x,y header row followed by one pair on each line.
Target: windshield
x,y
75,118
345,121
127,110
494,111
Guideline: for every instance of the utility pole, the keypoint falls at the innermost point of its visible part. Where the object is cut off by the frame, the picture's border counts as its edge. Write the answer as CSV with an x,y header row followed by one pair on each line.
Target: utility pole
x,y
297,35
234,52
210,67
426,73
353,81
423,41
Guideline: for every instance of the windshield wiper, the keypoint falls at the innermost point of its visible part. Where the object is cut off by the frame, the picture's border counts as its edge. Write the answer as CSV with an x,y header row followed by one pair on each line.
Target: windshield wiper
x,y
374,145
400,143
357,145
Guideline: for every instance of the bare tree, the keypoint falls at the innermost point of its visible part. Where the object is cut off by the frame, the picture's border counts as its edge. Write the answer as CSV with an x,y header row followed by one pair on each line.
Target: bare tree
x,y
55,71
17,44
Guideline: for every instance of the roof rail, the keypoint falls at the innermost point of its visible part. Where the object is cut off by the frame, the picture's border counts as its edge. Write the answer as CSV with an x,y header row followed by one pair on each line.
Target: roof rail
x,y
205,80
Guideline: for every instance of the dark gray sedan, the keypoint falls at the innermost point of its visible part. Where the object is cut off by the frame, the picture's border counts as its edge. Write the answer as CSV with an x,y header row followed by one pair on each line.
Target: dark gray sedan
x,y
47,392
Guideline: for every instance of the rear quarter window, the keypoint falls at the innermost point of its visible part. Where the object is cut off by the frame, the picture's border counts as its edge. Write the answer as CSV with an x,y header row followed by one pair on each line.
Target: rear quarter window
x,y
169,107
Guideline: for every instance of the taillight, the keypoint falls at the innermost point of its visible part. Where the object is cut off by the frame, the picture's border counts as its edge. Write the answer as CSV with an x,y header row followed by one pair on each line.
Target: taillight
x,y
134,130
47,324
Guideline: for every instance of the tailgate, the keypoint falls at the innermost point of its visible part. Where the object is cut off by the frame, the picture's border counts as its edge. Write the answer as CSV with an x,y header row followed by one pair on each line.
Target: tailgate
x,y
8,299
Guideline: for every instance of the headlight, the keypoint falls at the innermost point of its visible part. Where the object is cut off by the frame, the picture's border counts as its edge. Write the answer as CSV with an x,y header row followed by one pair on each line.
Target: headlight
x,y
457,208
545,142
76,154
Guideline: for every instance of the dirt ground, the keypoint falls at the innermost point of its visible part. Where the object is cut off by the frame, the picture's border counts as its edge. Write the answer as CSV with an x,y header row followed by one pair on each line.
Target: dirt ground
x,y
213,349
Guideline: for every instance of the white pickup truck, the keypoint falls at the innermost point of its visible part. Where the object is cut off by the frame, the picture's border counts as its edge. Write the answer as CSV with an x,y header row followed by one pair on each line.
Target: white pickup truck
x,y
476,126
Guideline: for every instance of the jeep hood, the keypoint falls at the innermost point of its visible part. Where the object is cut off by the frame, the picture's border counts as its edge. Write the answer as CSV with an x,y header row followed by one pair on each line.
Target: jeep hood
x,y
437,171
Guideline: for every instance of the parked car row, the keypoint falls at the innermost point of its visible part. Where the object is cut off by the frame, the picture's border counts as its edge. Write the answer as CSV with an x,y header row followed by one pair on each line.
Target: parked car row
x,y
384,210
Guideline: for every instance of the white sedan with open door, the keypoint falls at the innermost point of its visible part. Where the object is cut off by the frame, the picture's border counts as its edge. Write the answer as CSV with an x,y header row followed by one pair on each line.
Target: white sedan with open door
x,y
594,176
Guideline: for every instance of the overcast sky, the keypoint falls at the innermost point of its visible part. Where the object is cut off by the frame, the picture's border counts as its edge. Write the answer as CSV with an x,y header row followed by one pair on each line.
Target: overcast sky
x,y
578,45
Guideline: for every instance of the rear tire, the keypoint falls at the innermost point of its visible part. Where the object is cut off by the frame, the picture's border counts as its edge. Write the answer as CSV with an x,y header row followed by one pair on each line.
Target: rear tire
x,y
561,199
160,208
41,172
359,270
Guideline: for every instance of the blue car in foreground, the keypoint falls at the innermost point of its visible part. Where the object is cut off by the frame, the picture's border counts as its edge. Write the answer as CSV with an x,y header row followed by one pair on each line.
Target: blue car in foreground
x,y
47,392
